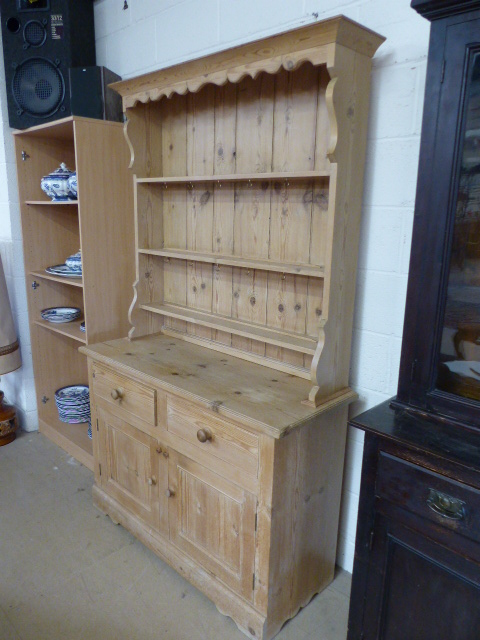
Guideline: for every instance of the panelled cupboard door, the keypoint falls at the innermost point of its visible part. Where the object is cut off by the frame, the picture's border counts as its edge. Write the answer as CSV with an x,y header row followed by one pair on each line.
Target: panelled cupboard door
x,y
418,589
132,470
213,520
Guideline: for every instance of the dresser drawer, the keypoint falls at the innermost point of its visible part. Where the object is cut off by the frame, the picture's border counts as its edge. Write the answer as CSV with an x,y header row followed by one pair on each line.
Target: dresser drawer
x,y
121,391
429,494
221,438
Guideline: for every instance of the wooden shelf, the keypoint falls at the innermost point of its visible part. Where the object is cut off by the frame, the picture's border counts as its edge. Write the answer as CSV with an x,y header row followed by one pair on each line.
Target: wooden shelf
x,y
55,203
236,261
70,329
238,327
237,177
74,282
72,438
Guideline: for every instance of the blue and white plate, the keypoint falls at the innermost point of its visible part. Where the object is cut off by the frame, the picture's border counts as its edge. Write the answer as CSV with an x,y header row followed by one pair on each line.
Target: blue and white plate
x,y
63,270
73,392
82,326
61,314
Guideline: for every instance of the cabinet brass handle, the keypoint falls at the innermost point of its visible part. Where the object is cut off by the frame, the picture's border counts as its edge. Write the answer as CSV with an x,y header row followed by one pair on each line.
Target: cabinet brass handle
x,y
169,493
152,481
204,435
117,394
445,505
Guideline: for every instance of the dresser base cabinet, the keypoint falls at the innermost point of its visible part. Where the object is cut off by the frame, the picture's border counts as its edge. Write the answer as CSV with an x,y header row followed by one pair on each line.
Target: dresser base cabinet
x,y
240,498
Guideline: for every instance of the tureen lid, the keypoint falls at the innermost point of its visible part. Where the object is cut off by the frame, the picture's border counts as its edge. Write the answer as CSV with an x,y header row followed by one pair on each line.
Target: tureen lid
x,y
62,172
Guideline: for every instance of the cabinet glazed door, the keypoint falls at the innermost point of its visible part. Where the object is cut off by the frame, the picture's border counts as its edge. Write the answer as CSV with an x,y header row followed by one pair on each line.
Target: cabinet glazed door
x,y
213,520
128,466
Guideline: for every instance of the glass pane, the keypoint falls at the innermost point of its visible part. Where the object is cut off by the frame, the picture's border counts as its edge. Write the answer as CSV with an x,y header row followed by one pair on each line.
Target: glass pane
x,y
459,362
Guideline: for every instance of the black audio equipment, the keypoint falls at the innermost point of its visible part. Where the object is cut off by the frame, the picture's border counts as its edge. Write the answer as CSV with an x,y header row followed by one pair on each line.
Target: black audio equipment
x,y
90,95
42,40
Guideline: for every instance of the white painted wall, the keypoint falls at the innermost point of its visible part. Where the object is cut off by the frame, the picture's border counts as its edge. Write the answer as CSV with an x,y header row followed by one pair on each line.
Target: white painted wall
x,y
151,34
18,386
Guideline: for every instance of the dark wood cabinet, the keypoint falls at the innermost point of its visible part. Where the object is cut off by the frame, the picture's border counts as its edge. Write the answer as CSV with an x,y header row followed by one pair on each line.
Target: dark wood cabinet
x,y
417,556
440,363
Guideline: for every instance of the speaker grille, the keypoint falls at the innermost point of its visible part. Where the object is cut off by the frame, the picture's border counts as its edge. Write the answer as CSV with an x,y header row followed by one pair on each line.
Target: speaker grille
x,y
34,33
38,87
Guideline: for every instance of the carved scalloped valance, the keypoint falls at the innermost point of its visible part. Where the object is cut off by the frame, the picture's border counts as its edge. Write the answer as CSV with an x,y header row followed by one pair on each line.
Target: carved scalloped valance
x,y
313,43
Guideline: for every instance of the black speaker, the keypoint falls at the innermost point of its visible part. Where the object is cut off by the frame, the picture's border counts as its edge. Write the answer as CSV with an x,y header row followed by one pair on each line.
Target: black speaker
x,y
42,40
90,95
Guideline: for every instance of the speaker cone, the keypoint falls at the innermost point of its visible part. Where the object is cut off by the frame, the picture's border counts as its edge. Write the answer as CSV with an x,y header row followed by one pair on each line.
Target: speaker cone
x,y
34,33
38,87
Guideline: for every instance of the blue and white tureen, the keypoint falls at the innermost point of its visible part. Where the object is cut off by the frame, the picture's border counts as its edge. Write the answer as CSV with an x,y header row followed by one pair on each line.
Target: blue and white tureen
x,y
72,186
56,185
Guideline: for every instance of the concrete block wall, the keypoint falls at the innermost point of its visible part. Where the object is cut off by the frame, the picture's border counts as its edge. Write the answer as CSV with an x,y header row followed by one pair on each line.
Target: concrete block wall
x,y
151,34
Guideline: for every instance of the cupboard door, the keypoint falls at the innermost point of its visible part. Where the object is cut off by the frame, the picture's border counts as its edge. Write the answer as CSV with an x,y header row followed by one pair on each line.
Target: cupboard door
x,y
418,588
129,467
213,520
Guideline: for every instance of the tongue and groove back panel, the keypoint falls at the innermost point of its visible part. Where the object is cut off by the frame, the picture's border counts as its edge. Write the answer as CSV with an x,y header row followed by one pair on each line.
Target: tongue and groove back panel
x,y
242,242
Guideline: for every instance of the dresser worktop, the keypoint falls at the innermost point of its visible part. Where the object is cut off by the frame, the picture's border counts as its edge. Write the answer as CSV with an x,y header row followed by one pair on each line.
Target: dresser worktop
x,y
268,401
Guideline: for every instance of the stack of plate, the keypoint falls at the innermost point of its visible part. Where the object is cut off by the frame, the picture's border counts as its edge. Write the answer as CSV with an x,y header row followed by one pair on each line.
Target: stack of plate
x,y
73,403
61,314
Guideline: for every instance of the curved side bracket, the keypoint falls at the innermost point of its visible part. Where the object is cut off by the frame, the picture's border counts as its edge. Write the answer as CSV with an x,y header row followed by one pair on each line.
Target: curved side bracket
x,y
329,99
321,364
129,143
134,332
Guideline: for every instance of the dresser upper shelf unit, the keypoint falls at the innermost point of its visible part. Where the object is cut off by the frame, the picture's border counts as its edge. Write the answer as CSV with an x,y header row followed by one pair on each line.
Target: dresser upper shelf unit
x,y
248,170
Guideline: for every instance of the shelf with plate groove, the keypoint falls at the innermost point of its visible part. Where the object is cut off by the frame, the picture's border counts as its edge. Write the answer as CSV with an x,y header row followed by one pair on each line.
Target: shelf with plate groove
x,y
237,261
237,177
277,337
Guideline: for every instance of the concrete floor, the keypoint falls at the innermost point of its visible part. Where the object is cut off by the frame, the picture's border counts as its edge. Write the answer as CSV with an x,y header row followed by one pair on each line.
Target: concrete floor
x,y
67,572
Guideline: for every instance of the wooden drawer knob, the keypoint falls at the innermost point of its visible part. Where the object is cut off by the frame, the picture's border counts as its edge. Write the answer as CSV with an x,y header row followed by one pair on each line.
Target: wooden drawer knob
x,y
169,493
152,481
204,435
117,394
